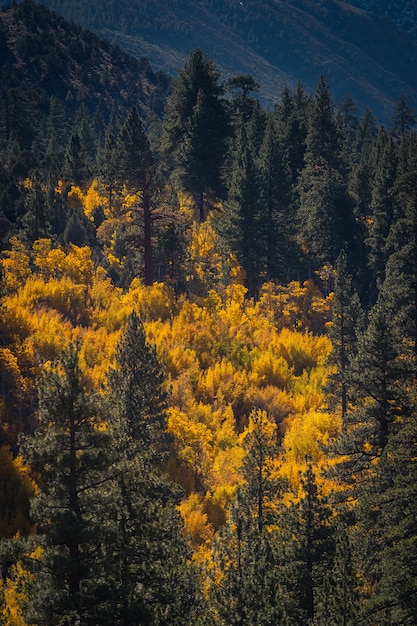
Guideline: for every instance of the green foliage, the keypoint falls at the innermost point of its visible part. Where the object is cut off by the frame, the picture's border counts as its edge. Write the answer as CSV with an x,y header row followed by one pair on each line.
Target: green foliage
x,y
196,128
69,453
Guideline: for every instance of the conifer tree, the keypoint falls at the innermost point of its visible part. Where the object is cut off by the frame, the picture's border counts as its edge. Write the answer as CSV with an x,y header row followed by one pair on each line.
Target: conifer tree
x,y
382,205
277,221
248,591
196,128
399,289
387,514
242,224
76,168
136,387
326,223
149,570
35,222
346,323
403,118
338,597
249,588
308,540
69,453
377,377
138,172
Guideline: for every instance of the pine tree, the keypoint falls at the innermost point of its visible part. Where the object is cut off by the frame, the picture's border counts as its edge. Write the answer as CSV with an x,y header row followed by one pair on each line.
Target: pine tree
x,y
338,598
242,104
387,521
382,205
244,555
308,539
248,591
277,221
347,316
148,556
242,225
76,168
403,118
377,377
69,453
35,222
138,172
399,289
136,387
196,128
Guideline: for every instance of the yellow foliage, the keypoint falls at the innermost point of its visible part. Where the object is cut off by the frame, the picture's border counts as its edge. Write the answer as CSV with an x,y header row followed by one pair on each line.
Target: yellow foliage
x,y
307,435
93,200
153,302
14,597
16,488
272,370
15,265
195,520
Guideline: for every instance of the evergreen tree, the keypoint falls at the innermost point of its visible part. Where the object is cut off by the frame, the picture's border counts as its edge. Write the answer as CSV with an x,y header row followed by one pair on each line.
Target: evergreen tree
x,y
325,215
243,226
76,168
242,104
323,138
292,121
138,171
338,597
346,322
69,453
148,557
382,205
248,591
196,128
403,118
35,222
326,222
377,377
139,400
277,222
250,581
387,517
400,286
308,550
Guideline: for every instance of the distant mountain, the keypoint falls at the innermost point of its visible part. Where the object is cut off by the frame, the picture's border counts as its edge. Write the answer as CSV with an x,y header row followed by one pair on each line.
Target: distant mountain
x,y
402,12
43,56
279,42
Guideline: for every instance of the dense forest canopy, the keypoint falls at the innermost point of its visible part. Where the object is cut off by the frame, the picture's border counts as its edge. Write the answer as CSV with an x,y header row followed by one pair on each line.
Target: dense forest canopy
x,y
208,345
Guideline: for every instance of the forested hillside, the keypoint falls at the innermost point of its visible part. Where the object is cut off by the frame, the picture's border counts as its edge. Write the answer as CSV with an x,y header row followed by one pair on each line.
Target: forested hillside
x,y
208,348
360,52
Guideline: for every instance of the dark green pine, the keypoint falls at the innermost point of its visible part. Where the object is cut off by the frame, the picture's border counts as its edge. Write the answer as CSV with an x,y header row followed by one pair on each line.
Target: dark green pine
x,y
307,529
242,222
388,522
196,128
377,377
382,205
139,402
35,221
69,455
347,321
249,589
276,206
148,556
138,172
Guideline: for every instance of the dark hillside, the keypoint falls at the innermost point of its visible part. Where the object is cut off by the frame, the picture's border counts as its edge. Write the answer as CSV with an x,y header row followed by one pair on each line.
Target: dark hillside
x,y
360,53
43,54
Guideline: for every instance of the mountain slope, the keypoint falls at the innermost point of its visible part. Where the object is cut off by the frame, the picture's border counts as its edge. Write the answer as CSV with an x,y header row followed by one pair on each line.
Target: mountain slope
x,y
277,41
45,56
